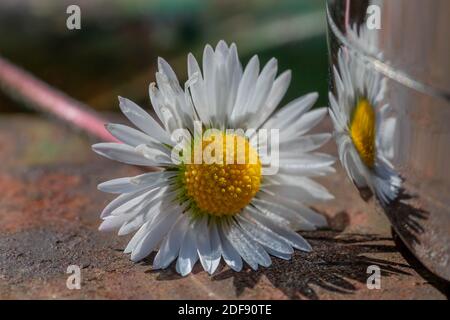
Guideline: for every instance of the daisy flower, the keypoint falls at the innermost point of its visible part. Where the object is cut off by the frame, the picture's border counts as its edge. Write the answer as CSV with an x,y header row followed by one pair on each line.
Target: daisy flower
x,y
364,131
189,211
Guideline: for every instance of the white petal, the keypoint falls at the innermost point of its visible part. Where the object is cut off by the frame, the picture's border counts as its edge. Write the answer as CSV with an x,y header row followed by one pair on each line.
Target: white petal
x,y
274,215
202,238
120,185
146,211
197,89
292,111
216,248
153,155
132,224
150,178
171,245
122,153
132,184
221,51
120,200
188,253
160,105
294,217
297,192
279,88
112,222
341,119
221,86
245,92
144,121
346,78
249,250
303,124
208,244
155,233
263,87
291,237
338,82
277,254
137,237
128,135
387,137
235,78
230,255
292,148
138,203
306,171
356,169
309,162
386,181
263,235
303,183
172,98
306,213
209,79
165,68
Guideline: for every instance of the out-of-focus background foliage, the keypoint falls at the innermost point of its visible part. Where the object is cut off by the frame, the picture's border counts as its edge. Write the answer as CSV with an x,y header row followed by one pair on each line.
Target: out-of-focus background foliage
x,y
115,51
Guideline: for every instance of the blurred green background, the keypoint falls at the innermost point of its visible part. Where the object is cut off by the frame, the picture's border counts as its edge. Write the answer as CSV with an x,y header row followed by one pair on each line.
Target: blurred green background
x,y
115,51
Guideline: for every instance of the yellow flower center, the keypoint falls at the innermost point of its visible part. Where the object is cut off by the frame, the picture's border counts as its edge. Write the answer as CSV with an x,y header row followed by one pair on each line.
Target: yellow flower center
x,y
226,186
362,131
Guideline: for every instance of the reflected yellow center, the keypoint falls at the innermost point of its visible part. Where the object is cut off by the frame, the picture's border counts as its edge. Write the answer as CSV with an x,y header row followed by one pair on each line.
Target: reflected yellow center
x,y
225,188
362,131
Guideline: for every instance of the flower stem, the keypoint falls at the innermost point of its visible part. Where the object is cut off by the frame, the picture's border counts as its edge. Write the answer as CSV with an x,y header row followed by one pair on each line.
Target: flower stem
x,y
23,87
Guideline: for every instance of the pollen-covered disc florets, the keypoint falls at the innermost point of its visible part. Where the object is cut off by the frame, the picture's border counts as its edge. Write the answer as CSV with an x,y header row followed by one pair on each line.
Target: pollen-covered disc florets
x,y
227,186
362,131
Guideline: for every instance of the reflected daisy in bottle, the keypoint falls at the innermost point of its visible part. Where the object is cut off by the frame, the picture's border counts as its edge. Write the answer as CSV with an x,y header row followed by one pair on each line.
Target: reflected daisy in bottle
x,y
364,131
232,210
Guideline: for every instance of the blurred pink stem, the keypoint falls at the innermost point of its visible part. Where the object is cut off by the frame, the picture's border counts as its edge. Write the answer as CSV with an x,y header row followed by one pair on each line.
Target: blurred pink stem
x,y
19,84
347,15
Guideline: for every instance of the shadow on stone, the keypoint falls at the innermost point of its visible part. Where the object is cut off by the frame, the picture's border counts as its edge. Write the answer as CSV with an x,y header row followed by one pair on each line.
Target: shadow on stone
x,y
335,264
407,218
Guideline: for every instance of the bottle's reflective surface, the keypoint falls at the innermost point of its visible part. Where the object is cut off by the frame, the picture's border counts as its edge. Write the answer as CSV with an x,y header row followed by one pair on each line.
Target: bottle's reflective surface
x,y
391,109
